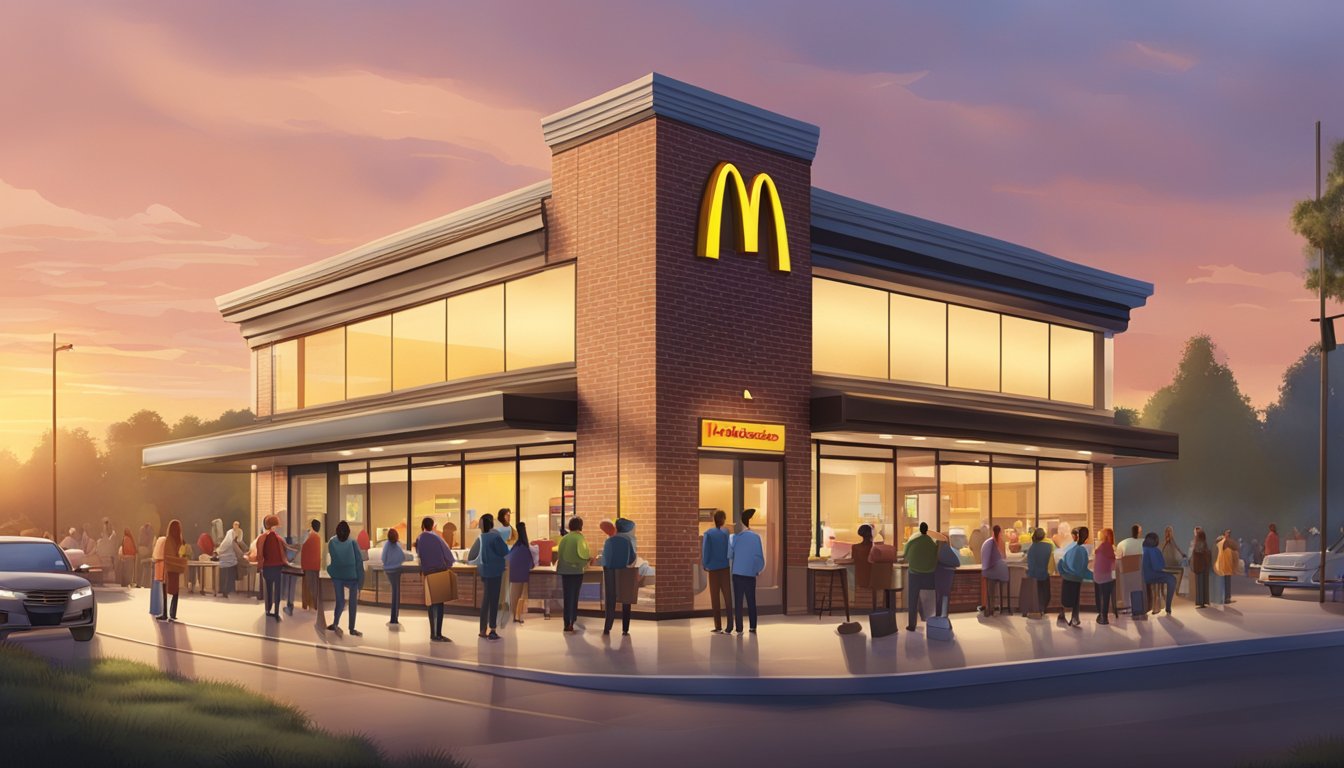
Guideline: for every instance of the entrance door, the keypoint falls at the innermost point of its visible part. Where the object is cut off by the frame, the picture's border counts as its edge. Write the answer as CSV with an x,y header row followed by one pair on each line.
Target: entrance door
x,y
734,484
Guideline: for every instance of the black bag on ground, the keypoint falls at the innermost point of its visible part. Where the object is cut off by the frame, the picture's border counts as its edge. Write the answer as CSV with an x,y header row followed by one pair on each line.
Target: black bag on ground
x,y
882,623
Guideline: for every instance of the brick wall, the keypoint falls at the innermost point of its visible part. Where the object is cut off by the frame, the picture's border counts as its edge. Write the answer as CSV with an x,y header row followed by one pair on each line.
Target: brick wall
x,y
262,404
1103,499
270,489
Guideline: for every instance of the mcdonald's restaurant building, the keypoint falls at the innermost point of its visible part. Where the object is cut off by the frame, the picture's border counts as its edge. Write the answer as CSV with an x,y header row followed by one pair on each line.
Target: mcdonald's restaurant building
x,y
678,322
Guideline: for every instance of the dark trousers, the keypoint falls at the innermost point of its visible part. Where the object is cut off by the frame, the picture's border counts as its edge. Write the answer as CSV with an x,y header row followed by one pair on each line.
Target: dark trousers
x,y
919,582
1105,594
1043,594
228,578
394,578
1227,589
721,591
436,620
744,589
570,583
1202,588
1070,595
490,601
343,586
1170,582
609,584
270,577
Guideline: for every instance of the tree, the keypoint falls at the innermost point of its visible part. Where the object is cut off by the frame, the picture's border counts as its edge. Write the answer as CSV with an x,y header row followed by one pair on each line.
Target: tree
x,y
1292,435
1127,417
1322,224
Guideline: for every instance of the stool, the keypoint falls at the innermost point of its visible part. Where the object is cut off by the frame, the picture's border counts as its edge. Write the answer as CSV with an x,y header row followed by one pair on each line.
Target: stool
x,y
827,602
1004,601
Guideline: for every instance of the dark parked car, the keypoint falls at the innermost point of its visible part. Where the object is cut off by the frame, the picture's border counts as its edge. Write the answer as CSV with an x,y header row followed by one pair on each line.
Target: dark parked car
x,y
39,590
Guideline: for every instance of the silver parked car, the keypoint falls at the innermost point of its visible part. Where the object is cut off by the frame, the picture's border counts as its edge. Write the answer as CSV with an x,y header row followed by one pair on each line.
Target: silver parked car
x,y
1301,570
39,590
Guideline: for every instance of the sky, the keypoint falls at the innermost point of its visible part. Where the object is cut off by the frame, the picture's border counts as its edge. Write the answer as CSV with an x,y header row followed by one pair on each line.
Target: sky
x,y
154,155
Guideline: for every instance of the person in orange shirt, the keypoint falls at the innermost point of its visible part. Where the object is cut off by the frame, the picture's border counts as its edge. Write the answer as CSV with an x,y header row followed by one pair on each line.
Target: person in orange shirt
x,y
310,559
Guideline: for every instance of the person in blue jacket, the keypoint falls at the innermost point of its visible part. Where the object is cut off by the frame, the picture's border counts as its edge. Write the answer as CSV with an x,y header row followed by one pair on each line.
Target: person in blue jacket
x,y
1154,568
1038,567
714,561
748,558
618,553
1074,571
393,558
345,565
491,572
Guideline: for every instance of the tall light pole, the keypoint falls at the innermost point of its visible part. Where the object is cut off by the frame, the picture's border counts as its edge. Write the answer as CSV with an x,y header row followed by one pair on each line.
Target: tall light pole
x,y
55,529
1326,336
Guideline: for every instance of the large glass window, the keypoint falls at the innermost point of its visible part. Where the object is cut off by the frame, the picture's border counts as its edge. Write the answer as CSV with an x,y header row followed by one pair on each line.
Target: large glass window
x,y
972,348
436,492
490,486
308,502
476,333
387,503
324,367
1014,503
917,492
1026,357
354,503
963,484
418,346
369,357
854,493
541,495
918,340
539,319
1072,363
1063,499
285,374
849,329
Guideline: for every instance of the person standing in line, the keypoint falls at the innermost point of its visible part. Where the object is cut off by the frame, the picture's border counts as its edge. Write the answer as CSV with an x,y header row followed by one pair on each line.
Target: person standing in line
x,y
393,558
714,560
271,559
310,560
994,568
229,550
1201,562
126,554
1133,545
618,553
156,597
1103,575
747,555
435,557
1272,540
1154,569
520,572
345,565
1073,570
174,565
1039,555
1171,551
921,553
1227,563
507,534
572,557
493,550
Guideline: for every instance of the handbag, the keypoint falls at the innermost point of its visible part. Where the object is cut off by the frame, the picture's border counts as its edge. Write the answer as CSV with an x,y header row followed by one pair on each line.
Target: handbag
x,y
440,587
882,623
627,585
174,564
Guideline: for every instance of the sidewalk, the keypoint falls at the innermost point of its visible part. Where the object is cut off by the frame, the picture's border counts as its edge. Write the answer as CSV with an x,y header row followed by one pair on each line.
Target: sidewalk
x,y
793,655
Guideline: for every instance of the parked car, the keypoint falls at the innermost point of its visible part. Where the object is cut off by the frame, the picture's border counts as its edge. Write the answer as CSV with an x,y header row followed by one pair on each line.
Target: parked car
x,y
1301,570
40,590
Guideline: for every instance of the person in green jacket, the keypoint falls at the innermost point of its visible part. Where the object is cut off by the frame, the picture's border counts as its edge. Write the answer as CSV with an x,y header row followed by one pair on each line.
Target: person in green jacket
x,y
573,557
346,568
921,553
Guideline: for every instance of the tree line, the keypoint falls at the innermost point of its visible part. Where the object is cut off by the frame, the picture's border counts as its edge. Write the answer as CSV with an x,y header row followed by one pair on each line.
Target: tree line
x,y
95,482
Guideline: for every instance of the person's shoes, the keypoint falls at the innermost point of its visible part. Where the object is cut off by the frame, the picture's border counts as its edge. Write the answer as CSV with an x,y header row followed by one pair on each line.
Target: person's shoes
x,y
1103,621
753,630
492,636
716,631
625,633
1075,623
909,627
333,628
606,632
289,610
355,632
394,623
160,618
1060,621
482,635
1168,611
569,630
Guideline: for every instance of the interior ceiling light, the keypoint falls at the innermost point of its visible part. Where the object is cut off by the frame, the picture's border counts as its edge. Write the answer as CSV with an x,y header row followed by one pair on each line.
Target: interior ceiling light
x,y
347,453
1030,448
1084,453
459,441
376,450
885,437
970,442
919,438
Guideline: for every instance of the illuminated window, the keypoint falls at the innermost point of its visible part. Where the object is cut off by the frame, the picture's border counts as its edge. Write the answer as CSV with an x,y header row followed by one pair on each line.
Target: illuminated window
x,y
436,492
476,333
1071,365
918,340
285,374
1026,357
849,329
1063,499
972,348
855,493
964,491
324,367
368,363
541,496
1014,497
539,318
917,492
490,487
418,346
387,503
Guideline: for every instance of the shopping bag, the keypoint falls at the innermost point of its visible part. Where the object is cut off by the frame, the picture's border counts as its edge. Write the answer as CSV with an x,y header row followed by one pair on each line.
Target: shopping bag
x,y
174,564
627,585
156,599
882,623
440,587
938,628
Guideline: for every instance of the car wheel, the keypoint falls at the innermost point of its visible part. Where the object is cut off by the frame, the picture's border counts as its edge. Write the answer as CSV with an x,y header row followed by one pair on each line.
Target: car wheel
x,y
1276,591
82,634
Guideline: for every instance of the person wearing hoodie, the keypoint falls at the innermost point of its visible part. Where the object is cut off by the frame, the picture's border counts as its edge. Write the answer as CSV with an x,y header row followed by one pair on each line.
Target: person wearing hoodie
x,y
748,557
1201,562
572,557
714,561
1154,569
1038,567
493,550
1073,570
520,572
618,553
345,566
1103,577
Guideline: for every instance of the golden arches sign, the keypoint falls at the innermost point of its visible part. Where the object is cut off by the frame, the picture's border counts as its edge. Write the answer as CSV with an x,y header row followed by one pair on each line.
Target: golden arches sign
x,y
748,214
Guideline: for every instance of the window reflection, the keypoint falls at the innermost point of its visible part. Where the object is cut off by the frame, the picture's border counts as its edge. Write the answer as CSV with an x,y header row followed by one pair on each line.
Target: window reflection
x,y
285,374
418,346
1026,357
476,333
972,348
436,492
1071,365
849,329
1014,498
387,503
489,487
324,367
918,340
855,493
539,319
369,357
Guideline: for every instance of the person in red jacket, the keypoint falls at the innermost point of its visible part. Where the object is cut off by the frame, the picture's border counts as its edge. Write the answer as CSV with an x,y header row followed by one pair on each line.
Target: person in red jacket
x,y
1272,540
310,559
272,555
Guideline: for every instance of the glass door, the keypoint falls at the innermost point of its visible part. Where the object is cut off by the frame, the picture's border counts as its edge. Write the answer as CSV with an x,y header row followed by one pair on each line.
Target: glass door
x,y
735,484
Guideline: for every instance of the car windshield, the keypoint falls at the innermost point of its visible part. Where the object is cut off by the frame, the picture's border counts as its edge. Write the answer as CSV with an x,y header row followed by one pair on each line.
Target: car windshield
x,y
30,556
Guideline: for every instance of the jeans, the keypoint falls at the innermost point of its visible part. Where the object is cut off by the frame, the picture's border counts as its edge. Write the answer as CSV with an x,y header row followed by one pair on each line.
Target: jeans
x,y
609,590
918,583
228,578
570,583
342,585
288,582
1070,595
721,588
1170,581
313,581
435,620
270,577
490,601
744,588
1105,594
394,579
1227,589
1202,588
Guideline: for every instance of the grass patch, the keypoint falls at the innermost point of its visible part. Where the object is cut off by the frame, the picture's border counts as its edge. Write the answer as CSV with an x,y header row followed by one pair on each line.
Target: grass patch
x,y
126,713
1321,753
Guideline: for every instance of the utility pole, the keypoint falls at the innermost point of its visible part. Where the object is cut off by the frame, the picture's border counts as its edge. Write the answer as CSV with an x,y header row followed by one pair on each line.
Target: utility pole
x,y
1325,375
55,529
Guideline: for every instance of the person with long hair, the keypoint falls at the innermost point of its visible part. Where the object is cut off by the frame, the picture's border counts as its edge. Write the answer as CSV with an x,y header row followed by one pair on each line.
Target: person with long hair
x,y
1038,568
126,554
174,565
520,564
1201,562
345,565
393,557
1154,569
1073,569
491,573
1103,574
1226,565
994,568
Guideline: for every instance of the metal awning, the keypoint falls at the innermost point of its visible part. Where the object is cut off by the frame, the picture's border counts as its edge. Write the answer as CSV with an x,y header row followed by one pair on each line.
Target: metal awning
x,y
493,417
851,413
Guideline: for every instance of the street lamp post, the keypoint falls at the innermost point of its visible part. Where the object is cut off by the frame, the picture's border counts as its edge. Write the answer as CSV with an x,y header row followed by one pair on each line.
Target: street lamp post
x,y
55,529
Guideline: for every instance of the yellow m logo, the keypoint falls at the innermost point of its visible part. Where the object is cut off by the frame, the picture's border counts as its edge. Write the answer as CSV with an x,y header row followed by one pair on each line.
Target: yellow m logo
x,y
748,215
